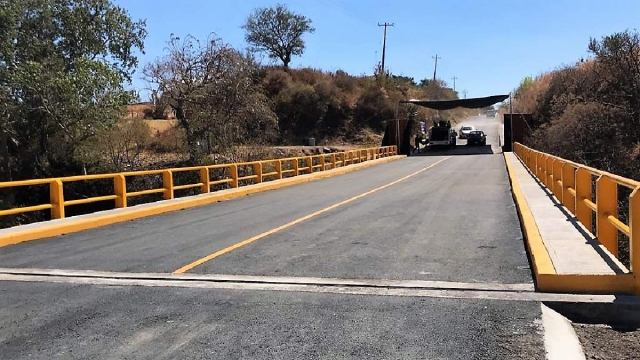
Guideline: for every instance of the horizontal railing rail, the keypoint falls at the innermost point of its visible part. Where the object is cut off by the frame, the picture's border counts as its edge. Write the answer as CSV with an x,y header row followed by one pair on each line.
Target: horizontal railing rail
x,y
235,175
586,192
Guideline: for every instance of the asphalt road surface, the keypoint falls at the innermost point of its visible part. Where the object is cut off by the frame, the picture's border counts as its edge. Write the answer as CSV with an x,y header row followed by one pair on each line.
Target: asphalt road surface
x,y
445,221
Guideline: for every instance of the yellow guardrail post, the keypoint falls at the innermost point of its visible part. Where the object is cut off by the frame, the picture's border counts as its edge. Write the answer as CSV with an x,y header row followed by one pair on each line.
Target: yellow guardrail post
x,y
120,190
322,164
333,161
279,169
310,164
549,170
634,237
233,174
296,167
568,182
257,171
583,191
540,170
557,179
606,205
167,184
56,196
205,180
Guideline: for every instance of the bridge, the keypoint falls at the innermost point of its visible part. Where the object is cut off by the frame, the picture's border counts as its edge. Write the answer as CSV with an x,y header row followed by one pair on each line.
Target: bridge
x,y
362,254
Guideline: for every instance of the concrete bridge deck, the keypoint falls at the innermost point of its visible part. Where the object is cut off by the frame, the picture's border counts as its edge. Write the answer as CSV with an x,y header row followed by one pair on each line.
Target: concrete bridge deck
x,y
422,257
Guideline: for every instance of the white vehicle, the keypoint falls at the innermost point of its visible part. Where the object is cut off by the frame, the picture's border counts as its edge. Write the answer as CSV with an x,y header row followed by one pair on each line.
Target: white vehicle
x,y
465,130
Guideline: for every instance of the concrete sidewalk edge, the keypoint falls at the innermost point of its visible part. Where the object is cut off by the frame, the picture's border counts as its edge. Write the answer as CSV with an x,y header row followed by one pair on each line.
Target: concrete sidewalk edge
x,y
540,259
41,230
546,277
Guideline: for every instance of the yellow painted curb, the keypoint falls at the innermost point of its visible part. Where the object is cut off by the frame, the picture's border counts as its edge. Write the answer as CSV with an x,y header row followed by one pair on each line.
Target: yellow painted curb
x,y
586,283
540,258
52,228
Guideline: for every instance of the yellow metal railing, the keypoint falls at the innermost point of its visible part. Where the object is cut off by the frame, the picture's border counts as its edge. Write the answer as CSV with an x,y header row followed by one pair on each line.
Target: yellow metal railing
x,y
257,172
572,185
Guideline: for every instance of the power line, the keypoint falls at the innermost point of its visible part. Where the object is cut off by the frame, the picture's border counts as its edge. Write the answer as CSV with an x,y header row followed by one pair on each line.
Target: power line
x,y
454,82
435,69
384,43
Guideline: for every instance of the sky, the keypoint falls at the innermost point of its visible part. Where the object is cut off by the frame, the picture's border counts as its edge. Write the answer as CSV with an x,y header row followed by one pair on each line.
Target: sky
x,y
489,45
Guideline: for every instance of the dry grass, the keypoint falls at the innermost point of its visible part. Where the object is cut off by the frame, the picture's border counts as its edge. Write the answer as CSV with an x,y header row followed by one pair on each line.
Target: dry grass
x,y
160,126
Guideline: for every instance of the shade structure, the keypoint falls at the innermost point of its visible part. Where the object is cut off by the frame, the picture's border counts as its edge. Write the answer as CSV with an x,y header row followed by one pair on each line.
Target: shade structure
x,y
472,103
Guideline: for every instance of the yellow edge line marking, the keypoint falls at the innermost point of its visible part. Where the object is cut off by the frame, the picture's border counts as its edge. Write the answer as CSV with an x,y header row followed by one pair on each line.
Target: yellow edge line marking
x,y
297,221
540,258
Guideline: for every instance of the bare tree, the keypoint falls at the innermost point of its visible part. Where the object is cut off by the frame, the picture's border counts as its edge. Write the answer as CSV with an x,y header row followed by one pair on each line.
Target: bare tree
x,y
213,90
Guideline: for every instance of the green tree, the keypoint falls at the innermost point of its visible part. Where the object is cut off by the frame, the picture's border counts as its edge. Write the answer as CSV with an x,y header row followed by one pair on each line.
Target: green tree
x,y
63,64
525,85
278,32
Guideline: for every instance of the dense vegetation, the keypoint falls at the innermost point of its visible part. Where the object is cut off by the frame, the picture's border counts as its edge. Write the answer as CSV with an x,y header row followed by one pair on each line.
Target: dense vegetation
x,y
590,112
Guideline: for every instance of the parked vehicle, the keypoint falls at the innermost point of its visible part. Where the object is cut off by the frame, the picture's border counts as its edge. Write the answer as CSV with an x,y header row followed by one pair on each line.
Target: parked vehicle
x,y
465,130
477,137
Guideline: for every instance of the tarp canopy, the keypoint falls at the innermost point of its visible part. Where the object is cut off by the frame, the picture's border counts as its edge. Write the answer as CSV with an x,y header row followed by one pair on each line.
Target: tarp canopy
x,y
473,103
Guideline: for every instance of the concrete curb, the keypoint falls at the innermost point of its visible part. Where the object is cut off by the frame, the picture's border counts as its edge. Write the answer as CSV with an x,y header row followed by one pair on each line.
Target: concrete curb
x,y
52,228
560,339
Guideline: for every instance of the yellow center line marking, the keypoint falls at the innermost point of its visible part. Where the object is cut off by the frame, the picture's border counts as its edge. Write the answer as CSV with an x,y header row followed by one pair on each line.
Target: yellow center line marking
x,y
297,221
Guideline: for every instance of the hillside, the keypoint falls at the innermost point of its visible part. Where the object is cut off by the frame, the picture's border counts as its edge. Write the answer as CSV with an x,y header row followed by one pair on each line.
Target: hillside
x,y
335,108
589,112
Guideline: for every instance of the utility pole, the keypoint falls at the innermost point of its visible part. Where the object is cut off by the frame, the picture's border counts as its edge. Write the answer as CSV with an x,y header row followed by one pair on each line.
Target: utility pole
x,y
454,82
464,93
435,69
384,43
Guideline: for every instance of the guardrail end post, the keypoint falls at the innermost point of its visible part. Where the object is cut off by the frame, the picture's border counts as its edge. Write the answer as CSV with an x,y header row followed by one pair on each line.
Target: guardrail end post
x,y
205,180
167,184
56,197
120,189
233,173
606,205
634,238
